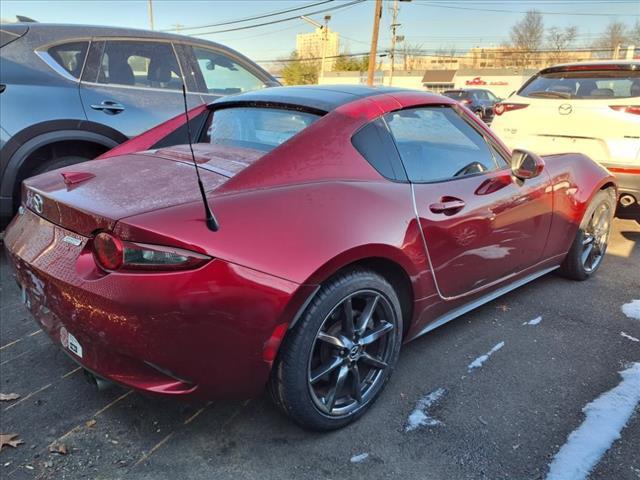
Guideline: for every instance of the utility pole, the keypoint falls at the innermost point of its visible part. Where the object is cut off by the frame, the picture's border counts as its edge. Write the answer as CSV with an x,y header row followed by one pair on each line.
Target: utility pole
x,y
325,38
374,41
150,12
394,25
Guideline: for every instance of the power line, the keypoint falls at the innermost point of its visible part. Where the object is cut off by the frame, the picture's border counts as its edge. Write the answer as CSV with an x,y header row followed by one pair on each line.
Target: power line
x,y
434,52
456,7
255,17
288,19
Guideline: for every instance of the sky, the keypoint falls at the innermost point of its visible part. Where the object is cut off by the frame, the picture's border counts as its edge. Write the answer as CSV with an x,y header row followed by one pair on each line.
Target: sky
x,y
430,24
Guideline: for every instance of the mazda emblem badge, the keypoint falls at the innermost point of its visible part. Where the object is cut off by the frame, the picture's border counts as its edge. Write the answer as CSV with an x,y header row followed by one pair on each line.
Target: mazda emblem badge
x,y
565,109
37,203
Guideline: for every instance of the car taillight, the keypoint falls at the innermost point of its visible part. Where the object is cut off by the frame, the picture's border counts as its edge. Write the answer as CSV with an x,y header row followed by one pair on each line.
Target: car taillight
x,y
112,254
634,109
500,108
466,101
108,251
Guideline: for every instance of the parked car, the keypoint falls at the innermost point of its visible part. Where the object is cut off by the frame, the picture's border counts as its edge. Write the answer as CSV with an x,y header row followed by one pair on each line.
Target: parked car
x,y
346,221
479,100
70,93
589,107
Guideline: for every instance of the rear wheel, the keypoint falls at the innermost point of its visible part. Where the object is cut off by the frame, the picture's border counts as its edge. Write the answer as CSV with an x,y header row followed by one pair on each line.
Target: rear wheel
x,y
588,248
337,360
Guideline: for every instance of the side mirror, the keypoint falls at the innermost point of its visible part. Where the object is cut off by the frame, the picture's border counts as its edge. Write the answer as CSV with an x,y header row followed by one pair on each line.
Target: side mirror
x,y
526,164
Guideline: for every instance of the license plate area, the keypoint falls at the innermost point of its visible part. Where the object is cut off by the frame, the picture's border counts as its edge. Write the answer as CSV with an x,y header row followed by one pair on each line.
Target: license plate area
x,y
70,342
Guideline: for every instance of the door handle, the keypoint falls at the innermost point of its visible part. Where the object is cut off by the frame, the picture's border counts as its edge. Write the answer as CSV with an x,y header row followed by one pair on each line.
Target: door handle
x,y
109,107
449,206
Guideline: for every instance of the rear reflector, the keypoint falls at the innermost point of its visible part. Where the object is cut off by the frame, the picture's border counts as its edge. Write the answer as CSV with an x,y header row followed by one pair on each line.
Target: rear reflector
x,y
271,346
500,108
632,170
634,109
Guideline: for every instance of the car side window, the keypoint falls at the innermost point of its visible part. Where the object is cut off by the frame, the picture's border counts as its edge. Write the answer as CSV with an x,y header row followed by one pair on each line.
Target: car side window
x,y
139,64
70,56
374,143
437,144
223,76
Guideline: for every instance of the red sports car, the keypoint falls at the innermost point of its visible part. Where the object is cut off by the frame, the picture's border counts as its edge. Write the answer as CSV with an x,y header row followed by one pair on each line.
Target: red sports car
x,y
346,221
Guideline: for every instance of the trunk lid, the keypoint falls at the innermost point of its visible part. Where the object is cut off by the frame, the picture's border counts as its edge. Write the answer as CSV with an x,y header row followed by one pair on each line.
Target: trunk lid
x,y
98,193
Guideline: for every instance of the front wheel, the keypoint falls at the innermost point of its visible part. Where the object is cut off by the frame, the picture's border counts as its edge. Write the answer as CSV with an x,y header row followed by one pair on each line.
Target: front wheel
x,y
337,360
589,246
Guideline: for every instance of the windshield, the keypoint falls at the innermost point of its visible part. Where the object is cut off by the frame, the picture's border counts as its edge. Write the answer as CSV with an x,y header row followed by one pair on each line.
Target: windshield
x,y
255,127
584,85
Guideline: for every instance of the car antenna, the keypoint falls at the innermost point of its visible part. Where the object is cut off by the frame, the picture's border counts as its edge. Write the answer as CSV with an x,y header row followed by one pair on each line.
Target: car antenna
x,y
211,221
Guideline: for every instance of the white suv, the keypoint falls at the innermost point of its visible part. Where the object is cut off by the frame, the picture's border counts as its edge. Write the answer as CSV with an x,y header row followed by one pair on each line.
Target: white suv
x,y
591,108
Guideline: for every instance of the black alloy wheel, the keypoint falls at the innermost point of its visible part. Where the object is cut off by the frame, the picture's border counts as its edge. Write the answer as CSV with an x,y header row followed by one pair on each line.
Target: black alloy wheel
x,y
337,358
350,353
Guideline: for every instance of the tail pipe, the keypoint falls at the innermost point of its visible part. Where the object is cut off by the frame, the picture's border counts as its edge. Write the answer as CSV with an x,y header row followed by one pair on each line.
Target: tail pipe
x,y
627,200
100,383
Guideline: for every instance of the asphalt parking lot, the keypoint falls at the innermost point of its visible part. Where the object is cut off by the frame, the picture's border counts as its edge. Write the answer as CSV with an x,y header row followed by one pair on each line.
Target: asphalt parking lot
x,y
504,420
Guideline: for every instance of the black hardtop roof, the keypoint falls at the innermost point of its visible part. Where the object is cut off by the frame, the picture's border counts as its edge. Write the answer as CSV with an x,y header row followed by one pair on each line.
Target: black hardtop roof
x,y
321,98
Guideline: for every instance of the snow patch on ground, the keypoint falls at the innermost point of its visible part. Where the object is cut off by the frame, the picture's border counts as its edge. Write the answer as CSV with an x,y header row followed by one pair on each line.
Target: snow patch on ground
x,y
359,458
535,321
477,363
420,416
626,335
605,417
632,309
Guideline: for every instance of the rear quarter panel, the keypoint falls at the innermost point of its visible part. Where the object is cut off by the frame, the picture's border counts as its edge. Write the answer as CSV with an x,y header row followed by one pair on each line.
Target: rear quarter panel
x,y
301,233
575,180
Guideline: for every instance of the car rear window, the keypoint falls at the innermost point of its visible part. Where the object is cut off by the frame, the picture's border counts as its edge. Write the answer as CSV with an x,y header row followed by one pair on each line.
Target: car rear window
x,y
456,95
259,128
585,84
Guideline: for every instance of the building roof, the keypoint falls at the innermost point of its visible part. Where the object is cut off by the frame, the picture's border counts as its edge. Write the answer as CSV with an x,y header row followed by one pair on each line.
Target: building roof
x,y
439,76
321,98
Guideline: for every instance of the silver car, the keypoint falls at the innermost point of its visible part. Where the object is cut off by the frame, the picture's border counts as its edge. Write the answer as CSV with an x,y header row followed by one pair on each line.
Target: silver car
x,y
71,92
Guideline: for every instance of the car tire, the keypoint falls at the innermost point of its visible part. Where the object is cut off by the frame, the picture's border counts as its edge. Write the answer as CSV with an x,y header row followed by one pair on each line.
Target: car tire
x,y
356,369
59,162
590,244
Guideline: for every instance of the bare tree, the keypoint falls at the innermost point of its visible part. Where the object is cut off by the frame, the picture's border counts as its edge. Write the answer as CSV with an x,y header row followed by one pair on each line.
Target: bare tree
x,y
527,36
559,41
446,57
635,35
614,36
409,53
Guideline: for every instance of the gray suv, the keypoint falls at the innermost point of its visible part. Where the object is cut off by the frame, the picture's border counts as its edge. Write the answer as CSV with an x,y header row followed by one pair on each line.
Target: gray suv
x,y
68,93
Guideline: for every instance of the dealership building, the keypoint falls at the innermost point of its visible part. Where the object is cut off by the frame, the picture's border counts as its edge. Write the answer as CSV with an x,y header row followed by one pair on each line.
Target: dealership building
x,y
501,81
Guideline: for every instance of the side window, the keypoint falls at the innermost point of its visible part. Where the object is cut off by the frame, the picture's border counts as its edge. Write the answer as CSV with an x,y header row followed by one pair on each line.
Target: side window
x,y
436,143
70,56
375,144
223,76
139,64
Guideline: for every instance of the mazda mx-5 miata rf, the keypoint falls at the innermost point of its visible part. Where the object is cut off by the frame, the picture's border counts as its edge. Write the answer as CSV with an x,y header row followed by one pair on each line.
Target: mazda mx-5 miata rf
x,y
345,221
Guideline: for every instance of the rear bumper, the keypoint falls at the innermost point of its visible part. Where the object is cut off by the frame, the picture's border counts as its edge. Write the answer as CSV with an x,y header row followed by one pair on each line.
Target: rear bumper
x,y
198,333
628,180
